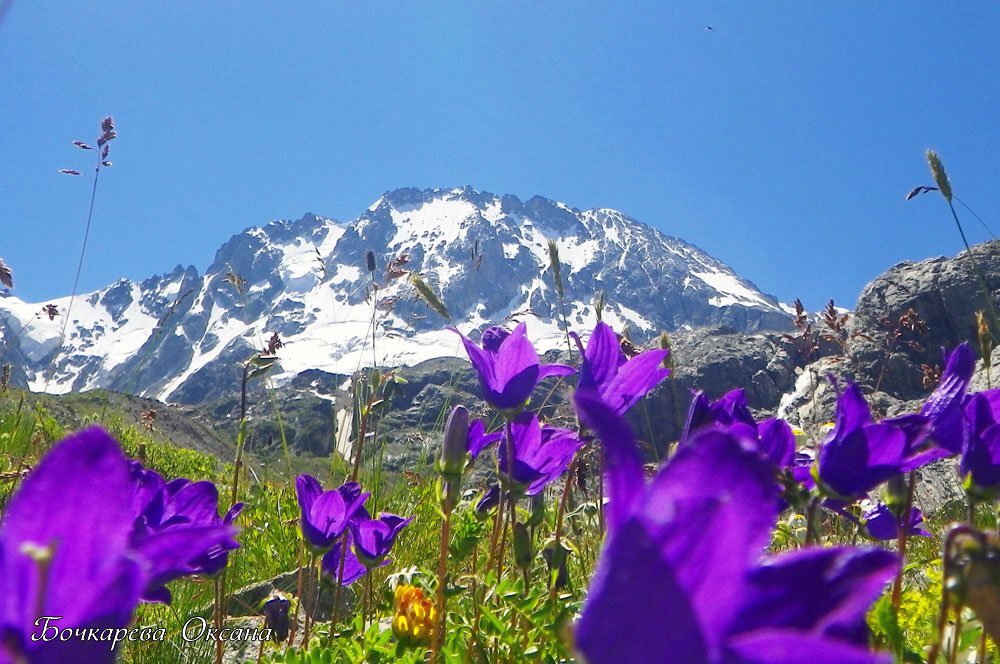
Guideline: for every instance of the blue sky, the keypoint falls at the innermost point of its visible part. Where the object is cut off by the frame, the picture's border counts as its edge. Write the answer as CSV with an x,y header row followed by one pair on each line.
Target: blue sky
x,y
782,142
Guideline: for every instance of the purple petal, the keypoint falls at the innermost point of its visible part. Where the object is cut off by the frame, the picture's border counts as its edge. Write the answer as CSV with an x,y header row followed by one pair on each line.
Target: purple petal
x,y
493,337
195,502
148,485
622,464
823,591
944,406
699,414
636,609
172,553
983,409
852,412
777,441
729,490
479,440
483,363
233,513
981,459
489,500
352,567
78,500
307,489
783,646
354,500
882,524
602,358
516,369
635,379
329,514
524,440
734,404
862,460
550,370
553,457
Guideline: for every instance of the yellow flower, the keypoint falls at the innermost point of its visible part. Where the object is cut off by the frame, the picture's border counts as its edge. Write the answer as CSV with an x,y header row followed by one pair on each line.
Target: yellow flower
x,y
415,616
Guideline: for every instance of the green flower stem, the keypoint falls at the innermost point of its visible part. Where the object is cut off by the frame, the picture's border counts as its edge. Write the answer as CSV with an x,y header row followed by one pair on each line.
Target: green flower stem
x,y
904,523
437,640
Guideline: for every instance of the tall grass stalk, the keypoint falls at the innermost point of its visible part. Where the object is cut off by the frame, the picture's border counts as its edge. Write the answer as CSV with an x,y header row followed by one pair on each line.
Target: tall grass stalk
x,y
556,267
944,186
103,145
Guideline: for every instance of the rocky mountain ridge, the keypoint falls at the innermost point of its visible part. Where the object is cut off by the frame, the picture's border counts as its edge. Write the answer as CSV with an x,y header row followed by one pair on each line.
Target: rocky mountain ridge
x,y
183,336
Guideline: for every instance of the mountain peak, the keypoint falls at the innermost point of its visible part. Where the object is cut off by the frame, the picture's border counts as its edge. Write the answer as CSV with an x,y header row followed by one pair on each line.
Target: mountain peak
x,y
182,337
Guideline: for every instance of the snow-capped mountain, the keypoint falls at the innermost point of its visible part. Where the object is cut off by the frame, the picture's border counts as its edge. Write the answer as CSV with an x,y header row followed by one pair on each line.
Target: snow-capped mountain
x,y
183,337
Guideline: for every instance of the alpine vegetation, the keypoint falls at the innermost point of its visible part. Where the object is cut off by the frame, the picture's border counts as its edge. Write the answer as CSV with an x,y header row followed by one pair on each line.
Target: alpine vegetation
x,y
530,514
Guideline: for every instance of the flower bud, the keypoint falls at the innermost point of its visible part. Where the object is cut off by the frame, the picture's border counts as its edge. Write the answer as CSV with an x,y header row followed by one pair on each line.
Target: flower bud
x,y
537,504
556,555
489,501
522,546
454,451
897,493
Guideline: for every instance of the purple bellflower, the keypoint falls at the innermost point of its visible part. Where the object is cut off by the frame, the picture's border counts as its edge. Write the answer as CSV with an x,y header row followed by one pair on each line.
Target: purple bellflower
x,y
946,405
325,514
882,524
980,463
276,618
488,501
366,547
340,562
541,454
68,549
859,454
619,382
172,508
681,577
774,437
508,367
374,538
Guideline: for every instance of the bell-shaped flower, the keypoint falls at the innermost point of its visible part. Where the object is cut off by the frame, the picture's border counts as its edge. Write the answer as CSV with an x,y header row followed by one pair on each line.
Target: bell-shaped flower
x,y
68,549
508,367
775,437
276,616
534,456
882,524
945,407
488,501
980,463
374,538
212,563
619,382
858,454
365,546
170,509
325,514
682,576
